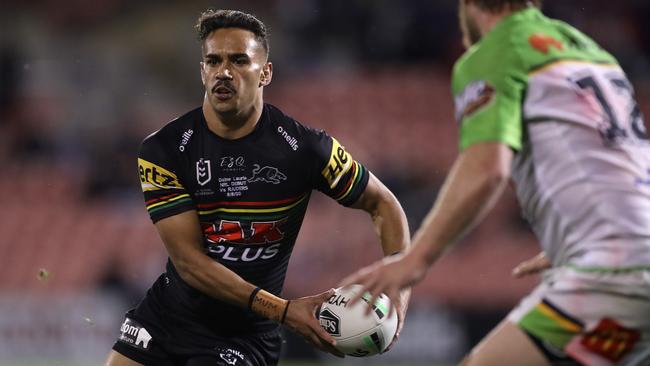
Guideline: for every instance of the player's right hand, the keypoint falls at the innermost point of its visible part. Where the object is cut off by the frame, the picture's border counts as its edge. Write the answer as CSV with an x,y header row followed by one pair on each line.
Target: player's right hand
x,y
301,319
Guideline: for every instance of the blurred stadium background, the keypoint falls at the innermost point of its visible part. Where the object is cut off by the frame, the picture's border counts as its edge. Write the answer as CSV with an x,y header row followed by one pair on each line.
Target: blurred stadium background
x,y
83,82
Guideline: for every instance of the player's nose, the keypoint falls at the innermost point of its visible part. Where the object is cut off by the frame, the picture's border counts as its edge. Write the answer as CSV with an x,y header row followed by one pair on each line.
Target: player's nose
x,y
224,72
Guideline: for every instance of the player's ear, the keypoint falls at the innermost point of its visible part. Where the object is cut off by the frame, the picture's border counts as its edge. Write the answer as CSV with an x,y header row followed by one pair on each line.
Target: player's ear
x,y
267,74
203,76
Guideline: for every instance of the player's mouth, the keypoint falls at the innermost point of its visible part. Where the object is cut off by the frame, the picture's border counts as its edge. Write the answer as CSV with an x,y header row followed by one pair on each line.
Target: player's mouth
x,y
223,92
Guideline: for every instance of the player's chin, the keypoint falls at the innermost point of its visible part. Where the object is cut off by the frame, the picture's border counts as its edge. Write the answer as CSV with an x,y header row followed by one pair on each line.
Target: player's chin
x,y
224,106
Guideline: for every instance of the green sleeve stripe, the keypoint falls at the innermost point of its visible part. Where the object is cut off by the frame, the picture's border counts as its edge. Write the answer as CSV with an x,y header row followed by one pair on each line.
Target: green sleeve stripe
x,y
171,204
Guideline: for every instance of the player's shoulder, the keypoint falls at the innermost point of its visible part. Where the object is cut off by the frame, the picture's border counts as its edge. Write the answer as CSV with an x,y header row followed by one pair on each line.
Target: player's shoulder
x,y
524,41
297,134
175,134
500,49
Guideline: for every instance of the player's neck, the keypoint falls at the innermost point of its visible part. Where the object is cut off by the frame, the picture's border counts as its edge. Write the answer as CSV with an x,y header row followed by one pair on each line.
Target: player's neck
x,y
486,21
232,126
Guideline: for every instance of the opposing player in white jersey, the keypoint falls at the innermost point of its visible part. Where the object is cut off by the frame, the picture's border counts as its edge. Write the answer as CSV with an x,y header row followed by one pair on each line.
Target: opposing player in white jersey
x,y
541,103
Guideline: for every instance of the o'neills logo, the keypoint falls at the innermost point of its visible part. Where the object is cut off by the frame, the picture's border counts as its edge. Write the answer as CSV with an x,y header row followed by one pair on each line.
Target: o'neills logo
x,y
185,138
475,96
290,140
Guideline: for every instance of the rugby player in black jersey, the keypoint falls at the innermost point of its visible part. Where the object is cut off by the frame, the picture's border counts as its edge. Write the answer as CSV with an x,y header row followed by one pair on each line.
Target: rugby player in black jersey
x,y
227,186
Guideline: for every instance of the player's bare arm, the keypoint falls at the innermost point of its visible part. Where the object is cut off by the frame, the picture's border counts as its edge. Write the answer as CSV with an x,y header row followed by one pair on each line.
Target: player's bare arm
x,y
476,180
182,237
392,227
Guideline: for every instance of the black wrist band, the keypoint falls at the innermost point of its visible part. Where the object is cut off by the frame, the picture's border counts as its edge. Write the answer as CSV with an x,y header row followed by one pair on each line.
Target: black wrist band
x,y
395,253
284,315
252,297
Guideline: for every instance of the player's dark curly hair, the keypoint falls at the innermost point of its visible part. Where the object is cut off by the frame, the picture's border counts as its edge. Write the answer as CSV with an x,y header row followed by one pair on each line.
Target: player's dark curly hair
x,y
498,5
211,20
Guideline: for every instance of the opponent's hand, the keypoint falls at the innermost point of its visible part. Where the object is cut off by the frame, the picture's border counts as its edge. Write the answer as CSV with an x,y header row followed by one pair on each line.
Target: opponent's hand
x,y
301,319
400,306
532,266
388,276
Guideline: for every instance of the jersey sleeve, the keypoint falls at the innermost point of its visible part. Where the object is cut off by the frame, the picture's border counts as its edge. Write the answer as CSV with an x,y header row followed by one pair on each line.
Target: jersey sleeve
x,y
164,195
336,173
489,89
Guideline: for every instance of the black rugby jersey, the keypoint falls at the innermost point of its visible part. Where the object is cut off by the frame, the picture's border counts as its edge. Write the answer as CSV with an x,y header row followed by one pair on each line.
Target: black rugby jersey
x,y
250,194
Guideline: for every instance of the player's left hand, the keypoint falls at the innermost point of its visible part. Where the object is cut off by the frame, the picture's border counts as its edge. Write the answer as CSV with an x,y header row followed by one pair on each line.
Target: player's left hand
x,y
389,276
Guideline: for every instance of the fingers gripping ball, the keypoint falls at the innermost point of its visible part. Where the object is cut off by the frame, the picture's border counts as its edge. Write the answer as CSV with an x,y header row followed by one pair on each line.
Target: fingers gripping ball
x,y
356,333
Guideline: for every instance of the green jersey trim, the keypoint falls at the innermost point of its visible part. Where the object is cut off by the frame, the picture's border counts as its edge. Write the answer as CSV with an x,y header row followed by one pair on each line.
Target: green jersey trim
x,y
610,270
562,60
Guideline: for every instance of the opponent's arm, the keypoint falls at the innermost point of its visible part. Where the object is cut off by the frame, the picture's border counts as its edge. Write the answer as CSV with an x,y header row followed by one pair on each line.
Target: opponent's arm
x,y
183,239
471,189
476,180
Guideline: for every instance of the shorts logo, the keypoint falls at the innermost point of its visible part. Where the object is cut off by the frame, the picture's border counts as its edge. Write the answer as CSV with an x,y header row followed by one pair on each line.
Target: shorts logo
x,y
267,174
203,171
475,96
611,340
231,356
339,164
154,177
134,334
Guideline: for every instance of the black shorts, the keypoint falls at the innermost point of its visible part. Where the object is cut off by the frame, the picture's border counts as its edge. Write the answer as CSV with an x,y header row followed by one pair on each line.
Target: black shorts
x,y
176,325
143,342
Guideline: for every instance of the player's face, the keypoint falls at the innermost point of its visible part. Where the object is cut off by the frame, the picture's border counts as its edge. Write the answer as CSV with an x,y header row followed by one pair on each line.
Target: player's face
x,y
466,17
234,70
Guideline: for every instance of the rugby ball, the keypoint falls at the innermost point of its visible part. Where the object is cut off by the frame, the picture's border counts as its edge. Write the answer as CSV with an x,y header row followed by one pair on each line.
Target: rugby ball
x,y
356,333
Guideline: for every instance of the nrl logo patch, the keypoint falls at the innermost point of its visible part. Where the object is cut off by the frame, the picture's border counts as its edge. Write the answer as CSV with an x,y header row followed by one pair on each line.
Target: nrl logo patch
x,y
475,96
203,171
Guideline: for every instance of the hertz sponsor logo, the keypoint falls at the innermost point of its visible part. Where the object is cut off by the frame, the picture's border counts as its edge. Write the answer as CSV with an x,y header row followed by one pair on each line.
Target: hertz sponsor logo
x,y
154,177
339,164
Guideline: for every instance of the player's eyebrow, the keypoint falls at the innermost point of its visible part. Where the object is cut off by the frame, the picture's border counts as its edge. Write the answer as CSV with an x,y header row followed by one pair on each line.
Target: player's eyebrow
x,y
230,55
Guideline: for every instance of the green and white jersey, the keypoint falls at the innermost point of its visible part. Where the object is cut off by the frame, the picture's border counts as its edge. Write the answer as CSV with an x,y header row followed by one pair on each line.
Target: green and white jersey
x,y
582,164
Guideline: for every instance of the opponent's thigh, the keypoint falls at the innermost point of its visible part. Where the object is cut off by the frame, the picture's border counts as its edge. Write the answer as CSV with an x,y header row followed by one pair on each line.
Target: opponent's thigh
x,y
117,359
505,345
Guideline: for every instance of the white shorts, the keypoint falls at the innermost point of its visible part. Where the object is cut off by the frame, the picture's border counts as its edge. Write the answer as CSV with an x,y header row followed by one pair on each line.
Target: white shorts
x,y
598,318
